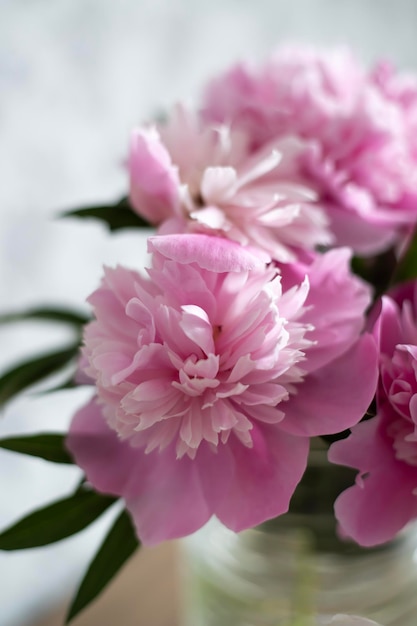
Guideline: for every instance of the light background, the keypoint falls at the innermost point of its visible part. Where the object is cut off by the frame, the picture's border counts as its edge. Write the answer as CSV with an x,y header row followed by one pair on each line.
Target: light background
x,y
75,76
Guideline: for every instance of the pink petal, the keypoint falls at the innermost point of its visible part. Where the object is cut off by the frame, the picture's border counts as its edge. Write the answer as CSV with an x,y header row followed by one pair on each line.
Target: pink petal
x,y
81,377
387,329
197,327
163,494
107,461
211,217
247,486
382,501
352,230
154,181
171,503
375,510
336,303
359,449
211,253
336,396
217,183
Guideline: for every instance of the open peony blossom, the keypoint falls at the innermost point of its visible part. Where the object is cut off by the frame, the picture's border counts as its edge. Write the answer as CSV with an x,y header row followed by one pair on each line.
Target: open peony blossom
x,y
360,128
384,449
196,177
206,395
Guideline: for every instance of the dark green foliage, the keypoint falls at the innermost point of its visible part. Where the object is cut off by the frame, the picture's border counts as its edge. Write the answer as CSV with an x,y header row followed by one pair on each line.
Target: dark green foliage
x,y
47,446
25,374
49,314
115,216
119,545
56,521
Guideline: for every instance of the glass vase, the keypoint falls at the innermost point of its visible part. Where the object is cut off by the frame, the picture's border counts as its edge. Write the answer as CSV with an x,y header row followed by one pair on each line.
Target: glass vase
x,y
294,567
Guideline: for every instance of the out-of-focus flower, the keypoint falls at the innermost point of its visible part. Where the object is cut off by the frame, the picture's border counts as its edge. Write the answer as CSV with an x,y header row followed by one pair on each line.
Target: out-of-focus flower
x,y
210,382
361,129
346,620
384,449
190,176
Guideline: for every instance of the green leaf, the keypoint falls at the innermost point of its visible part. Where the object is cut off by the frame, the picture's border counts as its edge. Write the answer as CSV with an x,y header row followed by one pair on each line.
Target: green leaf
x,y
50,314
56,521
47,446
407,265
119,545
69,383
376,270
115,216
32,371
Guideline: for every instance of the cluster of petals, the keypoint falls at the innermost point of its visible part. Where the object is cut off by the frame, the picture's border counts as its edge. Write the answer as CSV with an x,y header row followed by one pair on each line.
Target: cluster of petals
x,y
360,128
384,448
189,176
212,373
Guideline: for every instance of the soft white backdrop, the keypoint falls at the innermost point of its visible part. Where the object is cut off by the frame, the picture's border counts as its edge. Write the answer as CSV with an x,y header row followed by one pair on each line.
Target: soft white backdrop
x,y
75,76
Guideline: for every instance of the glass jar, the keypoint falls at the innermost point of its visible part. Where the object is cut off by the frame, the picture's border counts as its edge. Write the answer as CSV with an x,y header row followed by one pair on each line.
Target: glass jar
x,y
287,570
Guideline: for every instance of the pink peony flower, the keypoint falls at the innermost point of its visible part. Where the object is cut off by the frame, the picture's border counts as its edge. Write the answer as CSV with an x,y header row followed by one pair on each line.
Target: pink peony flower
x,y
206,392
384,449
194,177
361,128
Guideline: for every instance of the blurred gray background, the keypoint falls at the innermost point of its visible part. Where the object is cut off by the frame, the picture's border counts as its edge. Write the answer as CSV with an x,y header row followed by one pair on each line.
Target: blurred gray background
x,y
75,76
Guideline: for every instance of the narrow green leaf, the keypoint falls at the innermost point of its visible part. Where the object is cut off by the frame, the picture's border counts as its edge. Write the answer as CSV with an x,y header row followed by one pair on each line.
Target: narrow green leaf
x,y
115,216
47,446
50,314
32,371
69,383
56,521
118,546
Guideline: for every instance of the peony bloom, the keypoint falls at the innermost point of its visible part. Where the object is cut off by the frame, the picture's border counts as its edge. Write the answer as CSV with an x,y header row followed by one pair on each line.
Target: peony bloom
x,y
193,177
210,380
360,128
384,449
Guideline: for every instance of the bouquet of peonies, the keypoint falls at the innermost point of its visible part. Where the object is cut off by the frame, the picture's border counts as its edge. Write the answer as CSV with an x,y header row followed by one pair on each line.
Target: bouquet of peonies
x,y
279,305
